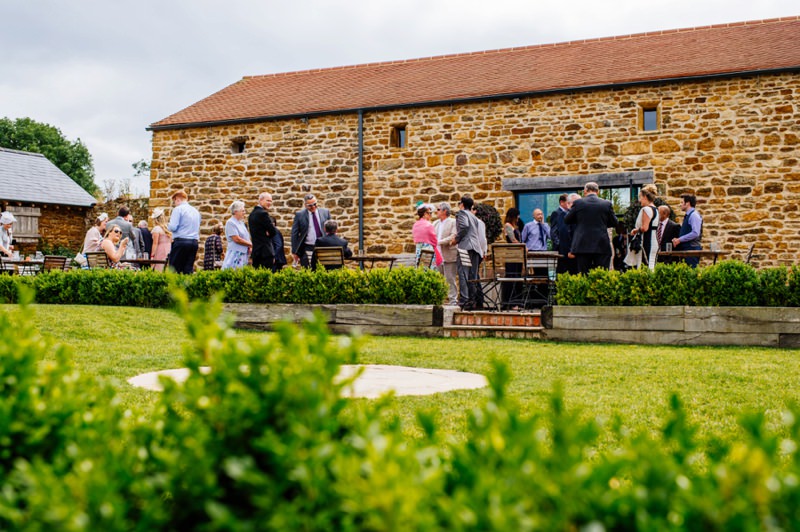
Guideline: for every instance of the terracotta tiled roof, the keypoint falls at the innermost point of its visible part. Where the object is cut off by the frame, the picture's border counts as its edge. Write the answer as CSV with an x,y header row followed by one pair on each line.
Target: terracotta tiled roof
x,y
705,51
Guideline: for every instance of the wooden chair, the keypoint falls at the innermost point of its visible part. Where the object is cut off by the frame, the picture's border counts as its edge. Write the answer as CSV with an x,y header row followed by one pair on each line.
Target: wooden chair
x,y
524,281
426,258
98,260
54,262
330,257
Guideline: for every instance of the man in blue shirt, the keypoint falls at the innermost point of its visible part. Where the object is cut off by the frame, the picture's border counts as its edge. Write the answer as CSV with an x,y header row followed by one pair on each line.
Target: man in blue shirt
x,y
691,229
184,222
535,234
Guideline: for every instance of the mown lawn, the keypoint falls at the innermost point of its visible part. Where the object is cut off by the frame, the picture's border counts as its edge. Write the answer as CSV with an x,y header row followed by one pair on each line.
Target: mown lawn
x,y
603,381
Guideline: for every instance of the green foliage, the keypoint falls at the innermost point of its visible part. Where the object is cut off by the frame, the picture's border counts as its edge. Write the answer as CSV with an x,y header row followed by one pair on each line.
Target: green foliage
x,y
494,223
774,287
247,285
729,283
48,249
72,157
260,437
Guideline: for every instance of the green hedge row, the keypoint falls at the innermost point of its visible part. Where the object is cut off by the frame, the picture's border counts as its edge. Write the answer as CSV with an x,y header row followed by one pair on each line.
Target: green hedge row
x,y
152,289
729,283
265,441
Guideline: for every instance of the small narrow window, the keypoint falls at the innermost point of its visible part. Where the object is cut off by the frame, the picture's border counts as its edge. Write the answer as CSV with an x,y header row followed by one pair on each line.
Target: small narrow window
x,y
398,137
649,118
238,145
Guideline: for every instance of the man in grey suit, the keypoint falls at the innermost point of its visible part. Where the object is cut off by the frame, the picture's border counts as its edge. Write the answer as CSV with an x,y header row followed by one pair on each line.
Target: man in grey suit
x,y
591,216
307,228
468,238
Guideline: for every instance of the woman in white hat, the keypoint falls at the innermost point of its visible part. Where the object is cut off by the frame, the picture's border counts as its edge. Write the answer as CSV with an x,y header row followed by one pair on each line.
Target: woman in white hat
x,y
6,220
94,236
162,238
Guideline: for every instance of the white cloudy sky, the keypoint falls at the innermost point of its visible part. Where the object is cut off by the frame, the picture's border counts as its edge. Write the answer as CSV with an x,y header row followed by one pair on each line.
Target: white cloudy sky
x,y
103,70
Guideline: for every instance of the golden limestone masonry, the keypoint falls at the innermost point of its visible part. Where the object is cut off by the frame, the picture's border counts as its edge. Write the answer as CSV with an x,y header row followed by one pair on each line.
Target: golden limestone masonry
x,y
732,140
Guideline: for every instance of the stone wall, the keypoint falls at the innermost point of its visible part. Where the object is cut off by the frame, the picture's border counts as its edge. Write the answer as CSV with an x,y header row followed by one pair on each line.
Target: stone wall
x,y
734,142
62,226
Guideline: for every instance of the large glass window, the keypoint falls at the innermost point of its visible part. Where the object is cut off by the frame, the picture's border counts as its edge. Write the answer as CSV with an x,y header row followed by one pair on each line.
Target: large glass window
x,y
547,200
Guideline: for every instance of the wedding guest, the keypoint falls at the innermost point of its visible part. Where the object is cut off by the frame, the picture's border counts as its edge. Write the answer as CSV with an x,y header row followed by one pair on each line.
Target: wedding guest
x,y
162,238
239,244
212,249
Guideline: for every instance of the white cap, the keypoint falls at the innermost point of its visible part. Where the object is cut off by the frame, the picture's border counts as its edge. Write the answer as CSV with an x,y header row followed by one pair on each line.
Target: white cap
x,y
7,218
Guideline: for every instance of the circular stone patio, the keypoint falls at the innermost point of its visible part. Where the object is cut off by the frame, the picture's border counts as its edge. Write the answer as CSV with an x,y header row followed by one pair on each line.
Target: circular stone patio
x,y
375,381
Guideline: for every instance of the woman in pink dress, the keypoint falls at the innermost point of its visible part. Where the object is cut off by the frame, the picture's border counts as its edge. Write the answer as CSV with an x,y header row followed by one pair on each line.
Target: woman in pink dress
x,y
424,234
162,239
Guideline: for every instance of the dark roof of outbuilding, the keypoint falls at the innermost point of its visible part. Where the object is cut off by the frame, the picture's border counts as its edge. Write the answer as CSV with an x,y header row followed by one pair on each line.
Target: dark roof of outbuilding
x,y
756,46
32,178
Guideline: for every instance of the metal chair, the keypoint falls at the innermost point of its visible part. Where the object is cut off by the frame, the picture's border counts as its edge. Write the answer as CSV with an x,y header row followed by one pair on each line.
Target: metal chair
x,y
54,262
97,260
6,269
749,254
426,258
330,257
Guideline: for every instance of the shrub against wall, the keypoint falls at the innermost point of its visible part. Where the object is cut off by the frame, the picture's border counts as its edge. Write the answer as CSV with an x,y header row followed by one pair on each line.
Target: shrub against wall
x,y
729,283
152,289
265,441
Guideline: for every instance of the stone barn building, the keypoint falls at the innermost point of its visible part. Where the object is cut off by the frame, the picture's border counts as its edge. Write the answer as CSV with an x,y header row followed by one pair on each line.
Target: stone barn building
x,y
711,111
50,208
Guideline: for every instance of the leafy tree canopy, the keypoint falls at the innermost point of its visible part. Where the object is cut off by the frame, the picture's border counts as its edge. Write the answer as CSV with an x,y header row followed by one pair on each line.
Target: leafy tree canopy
x,y
72,157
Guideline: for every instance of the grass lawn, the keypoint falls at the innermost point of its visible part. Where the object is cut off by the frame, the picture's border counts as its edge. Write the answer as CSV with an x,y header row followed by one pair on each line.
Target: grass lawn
x,y
634,382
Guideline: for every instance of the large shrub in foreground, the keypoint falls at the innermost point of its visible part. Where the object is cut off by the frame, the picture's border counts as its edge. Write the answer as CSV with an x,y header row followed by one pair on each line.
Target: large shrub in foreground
x,y
151,289
264,440
729,283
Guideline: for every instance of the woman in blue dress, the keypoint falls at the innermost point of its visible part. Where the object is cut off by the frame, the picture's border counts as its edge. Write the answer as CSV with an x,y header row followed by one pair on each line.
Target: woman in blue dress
x,y
239,244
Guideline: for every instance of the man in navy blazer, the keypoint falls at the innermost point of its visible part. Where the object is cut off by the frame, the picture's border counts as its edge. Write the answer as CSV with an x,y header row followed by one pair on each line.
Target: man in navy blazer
x,y
561,234
332,240
262,232
307,228
591,216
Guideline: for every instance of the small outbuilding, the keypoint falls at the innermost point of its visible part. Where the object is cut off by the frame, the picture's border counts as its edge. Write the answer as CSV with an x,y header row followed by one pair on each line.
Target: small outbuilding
x,y
50,208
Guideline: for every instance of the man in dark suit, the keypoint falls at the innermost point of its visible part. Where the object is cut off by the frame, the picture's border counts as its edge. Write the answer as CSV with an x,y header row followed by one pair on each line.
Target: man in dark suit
x,y
332,240
307,228
591,216
561,234
667,230
262,231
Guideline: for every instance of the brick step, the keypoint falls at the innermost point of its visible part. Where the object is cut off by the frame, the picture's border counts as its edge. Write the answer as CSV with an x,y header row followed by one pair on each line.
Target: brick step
x,y
498,319
466,331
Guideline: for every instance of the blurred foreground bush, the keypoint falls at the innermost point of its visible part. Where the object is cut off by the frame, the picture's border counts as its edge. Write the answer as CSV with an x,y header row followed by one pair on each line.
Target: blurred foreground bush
x,y
265,441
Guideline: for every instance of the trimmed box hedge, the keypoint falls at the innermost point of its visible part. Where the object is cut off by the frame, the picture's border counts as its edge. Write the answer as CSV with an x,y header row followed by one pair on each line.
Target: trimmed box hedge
x,y
152,289
727,284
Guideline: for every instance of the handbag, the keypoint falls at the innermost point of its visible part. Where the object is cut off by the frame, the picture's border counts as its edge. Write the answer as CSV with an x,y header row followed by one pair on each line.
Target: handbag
x,y
635,243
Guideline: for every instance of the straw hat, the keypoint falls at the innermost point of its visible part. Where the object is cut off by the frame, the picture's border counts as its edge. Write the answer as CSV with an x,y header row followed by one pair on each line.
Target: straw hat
x,y
7,218
157,212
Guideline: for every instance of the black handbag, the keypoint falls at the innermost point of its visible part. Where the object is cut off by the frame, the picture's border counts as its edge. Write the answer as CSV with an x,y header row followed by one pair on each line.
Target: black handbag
x,y
635,243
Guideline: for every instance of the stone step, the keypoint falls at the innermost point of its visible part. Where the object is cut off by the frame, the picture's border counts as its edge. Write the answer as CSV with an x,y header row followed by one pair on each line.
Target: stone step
x,y
466,331
498,319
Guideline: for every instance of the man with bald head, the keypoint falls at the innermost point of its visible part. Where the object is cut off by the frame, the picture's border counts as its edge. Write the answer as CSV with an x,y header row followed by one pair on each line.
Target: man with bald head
x,y
667,230
262,231
535,234
591,216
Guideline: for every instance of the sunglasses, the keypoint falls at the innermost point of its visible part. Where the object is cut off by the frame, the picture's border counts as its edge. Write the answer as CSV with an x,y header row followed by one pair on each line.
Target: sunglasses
x,y
117,231
309,205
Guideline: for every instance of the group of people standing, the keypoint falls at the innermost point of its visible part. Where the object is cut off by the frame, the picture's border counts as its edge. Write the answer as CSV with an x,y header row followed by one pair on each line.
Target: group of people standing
x,y
459,245
579,230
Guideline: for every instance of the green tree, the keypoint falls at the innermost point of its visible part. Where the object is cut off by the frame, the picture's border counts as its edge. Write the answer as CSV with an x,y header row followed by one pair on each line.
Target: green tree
x,y
72,157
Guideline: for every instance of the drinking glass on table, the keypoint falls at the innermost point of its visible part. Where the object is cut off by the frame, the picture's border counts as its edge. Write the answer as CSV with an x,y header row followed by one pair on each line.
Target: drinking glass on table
x,y
668,247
